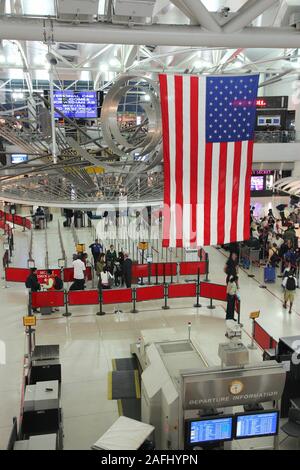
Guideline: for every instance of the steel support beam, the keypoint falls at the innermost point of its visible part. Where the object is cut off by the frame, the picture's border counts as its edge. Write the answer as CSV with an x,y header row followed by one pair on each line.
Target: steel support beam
x,y
245,15
165,35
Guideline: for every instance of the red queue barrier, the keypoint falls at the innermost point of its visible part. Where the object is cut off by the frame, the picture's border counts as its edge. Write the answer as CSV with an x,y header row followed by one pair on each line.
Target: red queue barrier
x,y
16,274
161,269
149,293
48,299
192,267
182,290
83,297
16,219
262,338
139,270
117,296
213,291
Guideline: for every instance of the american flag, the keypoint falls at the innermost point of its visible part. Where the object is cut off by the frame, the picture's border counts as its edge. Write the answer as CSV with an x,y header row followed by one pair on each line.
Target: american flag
x,y
208,128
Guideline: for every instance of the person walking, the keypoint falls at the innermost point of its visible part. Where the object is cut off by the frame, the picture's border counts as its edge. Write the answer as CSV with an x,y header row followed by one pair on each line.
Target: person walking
x,y
79,274
33,284
111,257
231,266
96,249
289,283
127,270
232,290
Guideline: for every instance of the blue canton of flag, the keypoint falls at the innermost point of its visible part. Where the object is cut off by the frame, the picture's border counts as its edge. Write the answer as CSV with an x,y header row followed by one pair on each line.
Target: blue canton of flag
x,y
231,108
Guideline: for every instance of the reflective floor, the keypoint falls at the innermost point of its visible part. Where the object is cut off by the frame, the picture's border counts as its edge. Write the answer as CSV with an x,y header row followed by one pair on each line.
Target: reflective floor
x,y
88,343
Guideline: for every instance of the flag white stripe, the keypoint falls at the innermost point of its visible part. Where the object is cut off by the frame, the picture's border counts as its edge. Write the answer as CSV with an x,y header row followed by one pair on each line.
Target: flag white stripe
x,y
172,139
214,194
243,171
229,182
186,185
201,159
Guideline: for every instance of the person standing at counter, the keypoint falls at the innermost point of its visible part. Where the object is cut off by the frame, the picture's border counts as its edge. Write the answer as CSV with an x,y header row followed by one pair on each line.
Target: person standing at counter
x,y
127,270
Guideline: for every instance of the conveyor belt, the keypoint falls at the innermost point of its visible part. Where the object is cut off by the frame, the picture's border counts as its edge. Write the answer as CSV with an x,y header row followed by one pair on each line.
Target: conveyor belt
x,y
124,385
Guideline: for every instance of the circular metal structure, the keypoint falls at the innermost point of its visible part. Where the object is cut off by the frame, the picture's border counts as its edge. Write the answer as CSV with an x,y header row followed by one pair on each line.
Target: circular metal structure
x,y
120,142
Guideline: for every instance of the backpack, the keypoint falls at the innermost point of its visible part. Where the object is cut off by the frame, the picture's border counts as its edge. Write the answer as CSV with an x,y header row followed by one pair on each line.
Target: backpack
x,y
58,284
290,283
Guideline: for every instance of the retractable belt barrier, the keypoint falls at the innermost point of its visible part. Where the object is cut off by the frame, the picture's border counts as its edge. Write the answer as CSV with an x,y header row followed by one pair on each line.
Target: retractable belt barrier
x,y
21,274
127,295
262,338
16,219
48,299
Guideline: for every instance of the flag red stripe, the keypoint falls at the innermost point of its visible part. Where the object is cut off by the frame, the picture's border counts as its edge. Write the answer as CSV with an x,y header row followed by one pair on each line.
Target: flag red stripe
x,y
179,156
247,191
194,157
235,189
166,152
207,191
222,192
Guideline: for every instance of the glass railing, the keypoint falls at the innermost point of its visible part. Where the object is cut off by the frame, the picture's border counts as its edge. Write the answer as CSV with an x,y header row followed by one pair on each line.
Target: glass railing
x,y
271,137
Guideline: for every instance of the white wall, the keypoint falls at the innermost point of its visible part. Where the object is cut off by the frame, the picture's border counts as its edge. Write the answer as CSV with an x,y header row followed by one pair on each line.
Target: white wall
x,y
277,152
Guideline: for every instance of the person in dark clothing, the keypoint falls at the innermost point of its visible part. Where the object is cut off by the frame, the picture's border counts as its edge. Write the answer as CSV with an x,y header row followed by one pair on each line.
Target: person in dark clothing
x,y
231,266
111,257
33,284
119,277
96,249
127,270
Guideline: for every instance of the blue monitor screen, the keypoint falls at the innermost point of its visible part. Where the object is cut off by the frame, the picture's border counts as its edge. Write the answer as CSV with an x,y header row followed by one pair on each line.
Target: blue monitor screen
x,y
257,425
19,158
209,430
76,104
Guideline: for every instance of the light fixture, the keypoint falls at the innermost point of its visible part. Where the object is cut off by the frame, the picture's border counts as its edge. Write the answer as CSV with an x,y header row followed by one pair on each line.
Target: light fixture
x,y
114,62
147,97
17,95
198,64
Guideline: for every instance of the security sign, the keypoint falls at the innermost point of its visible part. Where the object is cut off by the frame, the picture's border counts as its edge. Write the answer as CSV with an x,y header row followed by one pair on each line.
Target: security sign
x,y
29,321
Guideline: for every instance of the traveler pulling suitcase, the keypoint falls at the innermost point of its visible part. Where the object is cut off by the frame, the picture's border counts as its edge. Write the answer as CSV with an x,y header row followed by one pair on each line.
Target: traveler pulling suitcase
x,y
269,274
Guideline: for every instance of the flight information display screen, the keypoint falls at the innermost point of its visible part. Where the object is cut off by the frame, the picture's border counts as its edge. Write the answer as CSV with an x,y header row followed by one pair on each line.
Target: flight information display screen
x,y
257,425
210,430
76,104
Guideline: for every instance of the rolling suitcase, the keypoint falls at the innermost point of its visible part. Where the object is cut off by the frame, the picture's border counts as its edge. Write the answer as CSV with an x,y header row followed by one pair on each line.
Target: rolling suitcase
x,y
269,274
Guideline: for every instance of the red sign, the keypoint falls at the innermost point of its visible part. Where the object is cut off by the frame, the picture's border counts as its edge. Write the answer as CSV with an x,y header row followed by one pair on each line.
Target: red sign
x,y
261,102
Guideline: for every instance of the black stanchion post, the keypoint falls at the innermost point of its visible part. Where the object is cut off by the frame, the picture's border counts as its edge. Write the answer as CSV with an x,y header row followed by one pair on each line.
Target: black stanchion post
x,y
156,273
149,273
67,313
171,268
100,297
166,289
211,306
24,223
197,304
134,310
164,273
207,267
239,312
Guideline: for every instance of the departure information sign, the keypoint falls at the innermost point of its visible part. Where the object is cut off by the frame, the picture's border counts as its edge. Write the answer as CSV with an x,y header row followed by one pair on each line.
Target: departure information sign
x,y
257,425
219,429
76,104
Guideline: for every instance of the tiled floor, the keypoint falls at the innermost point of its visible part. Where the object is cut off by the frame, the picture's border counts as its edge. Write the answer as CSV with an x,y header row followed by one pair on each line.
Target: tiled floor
x,y
88,342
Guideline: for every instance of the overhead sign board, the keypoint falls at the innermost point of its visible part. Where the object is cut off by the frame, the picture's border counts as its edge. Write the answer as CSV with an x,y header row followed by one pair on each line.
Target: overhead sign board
x,y
220,388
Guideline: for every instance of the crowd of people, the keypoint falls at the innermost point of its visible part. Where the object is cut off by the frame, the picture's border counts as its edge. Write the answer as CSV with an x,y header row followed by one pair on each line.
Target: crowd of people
x,y
276,242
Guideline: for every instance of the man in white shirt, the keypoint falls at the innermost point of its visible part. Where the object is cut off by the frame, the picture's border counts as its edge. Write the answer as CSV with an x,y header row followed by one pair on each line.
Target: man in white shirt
x,y
79,273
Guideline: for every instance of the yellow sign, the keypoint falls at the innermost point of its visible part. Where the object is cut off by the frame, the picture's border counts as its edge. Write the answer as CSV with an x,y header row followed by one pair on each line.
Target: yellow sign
x,y
94,170
29,321
254,315
236,387
143,245
80,248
